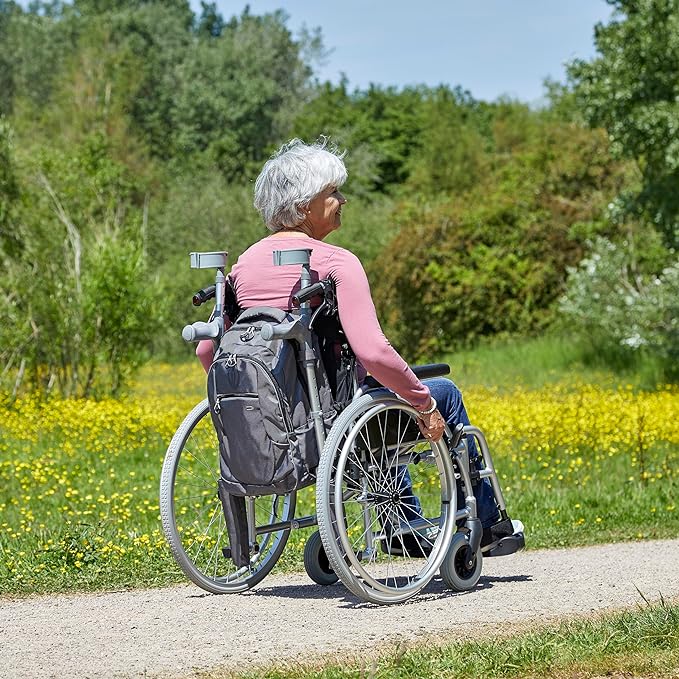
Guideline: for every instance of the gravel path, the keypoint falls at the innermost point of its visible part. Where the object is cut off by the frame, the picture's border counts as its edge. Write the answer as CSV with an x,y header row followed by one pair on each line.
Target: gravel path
x,y
178,630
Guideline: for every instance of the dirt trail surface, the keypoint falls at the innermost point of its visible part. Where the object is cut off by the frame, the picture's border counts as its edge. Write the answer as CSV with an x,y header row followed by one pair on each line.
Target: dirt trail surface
x,y
178,630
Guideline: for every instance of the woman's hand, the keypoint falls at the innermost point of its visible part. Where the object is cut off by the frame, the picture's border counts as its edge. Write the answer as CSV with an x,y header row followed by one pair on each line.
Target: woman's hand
x,y
431,425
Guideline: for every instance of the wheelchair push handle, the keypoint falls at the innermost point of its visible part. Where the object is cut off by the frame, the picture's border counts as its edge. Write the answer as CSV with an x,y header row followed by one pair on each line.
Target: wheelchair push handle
x,y
201,330
204,294
305,294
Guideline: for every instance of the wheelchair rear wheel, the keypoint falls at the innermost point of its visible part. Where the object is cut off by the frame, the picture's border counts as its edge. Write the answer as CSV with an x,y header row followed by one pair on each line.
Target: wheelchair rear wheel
x,y
192,516
385,500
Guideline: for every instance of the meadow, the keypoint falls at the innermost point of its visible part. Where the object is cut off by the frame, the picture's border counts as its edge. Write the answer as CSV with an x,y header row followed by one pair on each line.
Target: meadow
x,y
581,462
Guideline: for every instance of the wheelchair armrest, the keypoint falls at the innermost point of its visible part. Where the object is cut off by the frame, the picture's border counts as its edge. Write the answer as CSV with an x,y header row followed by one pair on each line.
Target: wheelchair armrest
x,y
428,370
371,383
423,372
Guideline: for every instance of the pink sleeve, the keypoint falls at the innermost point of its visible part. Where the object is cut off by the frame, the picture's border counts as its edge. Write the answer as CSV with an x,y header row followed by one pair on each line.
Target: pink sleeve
x,y
206,348
205,351
359,320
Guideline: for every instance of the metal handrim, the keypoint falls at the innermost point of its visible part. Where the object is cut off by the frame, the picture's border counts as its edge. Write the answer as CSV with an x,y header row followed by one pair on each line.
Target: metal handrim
x,y
429,570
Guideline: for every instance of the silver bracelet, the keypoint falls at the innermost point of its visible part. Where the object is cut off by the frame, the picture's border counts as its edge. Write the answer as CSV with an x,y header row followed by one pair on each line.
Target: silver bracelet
x,y
431,408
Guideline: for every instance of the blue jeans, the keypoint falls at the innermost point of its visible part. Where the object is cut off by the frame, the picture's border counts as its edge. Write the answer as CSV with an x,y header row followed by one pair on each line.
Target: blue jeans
x,y
450,405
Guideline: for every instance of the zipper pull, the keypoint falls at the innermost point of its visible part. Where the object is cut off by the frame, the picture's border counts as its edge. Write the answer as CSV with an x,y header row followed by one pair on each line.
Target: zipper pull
x,y
248,335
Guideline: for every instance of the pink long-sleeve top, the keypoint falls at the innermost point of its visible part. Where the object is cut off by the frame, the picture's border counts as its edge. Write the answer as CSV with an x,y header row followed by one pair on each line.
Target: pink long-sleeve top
x,y
258,282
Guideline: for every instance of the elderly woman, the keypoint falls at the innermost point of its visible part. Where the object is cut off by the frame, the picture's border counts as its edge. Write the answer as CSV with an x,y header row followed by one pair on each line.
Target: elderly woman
x,y
298,196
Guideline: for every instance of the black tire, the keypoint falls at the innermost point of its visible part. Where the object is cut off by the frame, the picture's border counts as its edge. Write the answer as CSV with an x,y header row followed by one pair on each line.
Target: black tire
x,y
316,562
456,571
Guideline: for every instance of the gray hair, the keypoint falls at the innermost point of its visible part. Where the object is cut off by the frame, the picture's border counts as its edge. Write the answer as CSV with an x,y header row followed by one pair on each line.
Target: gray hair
x,y
293,177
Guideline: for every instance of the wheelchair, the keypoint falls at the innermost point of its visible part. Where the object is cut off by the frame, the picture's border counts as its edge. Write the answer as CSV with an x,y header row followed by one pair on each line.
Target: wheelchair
x,y
382,542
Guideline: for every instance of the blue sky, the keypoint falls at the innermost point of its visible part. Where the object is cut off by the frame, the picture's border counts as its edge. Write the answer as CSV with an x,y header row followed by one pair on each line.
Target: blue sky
x,y
490,47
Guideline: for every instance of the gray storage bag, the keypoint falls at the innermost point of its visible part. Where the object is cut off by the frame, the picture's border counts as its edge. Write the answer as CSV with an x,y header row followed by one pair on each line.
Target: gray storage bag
x,y
260,408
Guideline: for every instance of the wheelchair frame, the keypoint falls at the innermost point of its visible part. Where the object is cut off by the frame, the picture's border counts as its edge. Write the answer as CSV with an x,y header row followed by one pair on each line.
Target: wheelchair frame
x,y
351,470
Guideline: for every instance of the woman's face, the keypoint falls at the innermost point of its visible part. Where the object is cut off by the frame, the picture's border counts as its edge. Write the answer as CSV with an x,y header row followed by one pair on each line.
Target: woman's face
x,y
324,213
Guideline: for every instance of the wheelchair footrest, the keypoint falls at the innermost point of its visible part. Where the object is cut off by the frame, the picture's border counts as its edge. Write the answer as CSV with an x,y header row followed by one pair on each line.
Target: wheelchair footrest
x,y
507,545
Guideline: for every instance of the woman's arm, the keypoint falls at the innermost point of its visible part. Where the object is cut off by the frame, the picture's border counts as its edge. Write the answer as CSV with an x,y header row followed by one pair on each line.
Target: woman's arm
x,y
205,352
362,328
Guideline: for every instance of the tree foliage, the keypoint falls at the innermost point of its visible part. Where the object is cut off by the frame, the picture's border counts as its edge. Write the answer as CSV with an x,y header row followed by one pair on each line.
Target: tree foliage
x,y
9,192
622,297
119,107
623,309
632,90
133,130
493,260
76,310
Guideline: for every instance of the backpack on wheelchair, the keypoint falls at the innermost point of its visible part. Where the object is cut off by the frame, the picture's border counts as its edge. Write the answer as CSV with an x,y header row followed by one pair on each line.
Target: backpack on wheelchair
x,y
386,498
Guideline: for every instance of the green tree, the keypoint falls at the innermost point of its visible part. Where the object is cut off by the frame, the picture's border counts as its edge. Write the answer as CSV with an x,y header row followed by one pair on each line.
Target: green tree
x,y
75,295
93,7
427,140
34,44
6,65
9,192
380,127
231,90
632,90
449,156
210,22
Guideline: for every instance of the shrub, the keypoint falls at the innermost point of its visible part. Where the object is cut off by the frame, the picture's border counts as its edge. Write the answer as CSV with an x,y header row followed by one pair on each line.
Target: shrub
x,y
493,260
77,307
622,304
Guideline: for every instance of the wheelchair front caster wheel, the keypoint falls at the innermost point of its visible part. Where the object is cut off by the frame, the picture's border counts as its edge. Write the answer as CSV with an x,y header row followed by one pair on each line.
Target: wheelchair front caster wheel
x,y
461,570
316,562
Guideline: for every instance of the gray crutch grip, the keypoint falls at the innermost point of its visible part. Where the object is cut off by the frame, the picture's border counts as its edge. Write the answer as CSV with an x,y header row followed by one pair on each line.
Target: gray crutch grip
x,y
291,330
200,331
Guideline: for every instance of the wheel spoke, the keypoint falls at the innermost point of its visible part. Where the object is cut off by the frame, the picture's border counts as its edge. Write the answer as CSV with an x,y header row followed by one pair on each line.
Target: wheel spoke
x,y
200,461
188,471
215,550
395,501
213,518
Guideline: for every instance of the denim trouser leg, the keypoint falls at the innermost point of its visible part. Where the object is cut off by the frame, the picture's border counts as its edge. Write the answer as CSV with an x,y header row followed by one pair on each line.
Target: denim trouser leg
x,y
451,406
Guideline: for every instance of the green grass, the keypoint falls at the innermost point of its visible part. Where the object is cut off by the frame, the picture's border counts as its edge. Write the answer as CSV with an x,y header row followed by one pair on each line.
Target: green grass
x,y
503,364
578,465
551,358
643,642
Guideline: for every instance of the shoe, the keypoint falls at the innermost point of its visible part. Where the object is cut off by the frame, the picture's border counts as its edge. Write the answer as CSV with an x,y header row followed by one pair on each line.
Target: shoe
x,y
502,529
503,538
